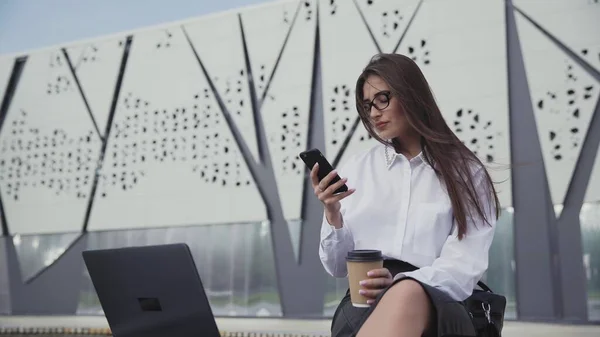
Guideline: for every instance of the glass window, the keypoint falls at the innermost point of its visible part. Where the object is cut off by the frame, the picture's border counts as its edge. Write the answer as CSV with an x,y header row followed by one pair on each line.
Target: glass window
x,y
39,251
235,263
335,290
500,276
590,233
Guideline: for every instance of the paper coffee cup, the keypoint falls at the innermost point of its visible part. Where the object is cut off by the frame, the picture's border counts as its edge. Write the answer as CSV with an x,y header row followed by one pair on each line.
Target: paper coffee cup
x,y
359,263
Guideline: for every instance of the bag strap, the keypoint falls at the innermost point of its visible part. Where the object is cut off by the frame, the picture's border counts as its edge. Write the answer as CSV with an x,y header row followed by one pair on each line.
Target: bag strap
x,y
484,286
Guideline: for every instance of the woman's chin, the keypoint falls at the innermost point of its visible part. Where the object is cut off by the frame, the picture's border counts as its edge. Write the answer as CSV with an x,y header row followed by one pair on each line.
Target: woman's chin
x,y
387,136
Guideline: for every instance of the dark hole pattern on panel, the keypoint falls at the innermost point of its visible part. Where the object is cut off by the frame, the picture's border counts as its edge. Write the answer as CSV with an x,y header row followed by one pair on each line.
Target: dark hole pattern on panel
x,y
188,134
287,17
477,134
332,9
288,141
565,106
308,11
91,54
364,135
165,41
419,52
233,92
261,77
390,20
592,54
58,83
341,99
55,160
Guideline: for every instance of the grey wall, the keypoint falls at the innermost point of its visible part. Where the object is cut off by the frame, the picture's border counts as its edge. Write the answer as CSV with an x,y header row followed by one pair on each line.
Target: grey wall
x,y
550,274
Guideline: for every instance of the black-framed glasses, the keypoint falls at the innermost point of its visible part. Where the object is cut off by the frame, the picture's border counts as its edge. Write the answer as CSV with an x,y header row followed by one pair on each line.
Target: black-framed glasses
x,y
380,101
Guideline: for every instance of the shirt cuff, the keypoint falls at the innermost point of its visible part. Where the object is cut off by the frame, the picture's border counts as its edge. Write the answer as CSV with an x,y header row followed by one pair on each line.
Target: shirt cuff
x,y
334,235
414,274
399,276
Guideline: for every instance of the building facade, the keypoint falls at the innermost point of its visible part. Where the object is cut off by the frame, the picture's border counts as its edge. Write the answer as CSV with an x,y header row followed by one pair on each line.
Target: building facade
x,y
190,132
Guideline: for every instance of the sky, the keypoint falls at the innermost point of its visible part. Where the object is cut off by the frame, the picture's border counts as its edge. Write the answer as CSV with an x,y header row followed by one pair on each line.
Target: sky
x,y
33,24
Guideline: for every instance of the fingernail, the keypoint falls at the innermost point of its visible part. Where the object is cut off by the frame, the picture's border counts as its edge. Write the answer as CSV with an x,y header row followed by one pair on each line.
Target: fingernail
x,y
369,274
370,301
352,190
362,283
362,292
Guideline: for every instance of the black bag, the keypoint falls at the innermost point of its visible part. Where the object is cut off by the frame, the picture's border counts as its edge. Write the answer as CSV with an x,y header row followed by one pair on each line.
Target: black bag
x,y
487,311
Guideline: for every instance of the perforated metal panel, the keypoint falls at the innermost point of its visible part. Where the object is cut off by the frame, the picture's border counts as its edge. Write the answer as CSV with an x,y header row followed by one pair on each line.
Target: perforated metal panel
x,y
346,48
463,57
171,158
575,23
387,20
286,111
266,29
218,42
97,66
48,150
564,97
361,141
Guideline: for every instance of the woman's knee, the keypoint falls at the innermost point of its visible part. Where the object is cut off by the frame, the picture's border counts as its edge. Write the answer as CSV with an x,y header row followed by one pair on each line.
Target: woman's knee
x,y
403,307
409,295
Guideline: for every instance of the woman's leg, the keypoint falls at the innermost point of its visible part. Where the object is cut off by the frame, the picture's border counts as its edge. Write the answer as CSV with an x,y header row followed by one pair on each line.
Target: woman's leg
x,y
403,311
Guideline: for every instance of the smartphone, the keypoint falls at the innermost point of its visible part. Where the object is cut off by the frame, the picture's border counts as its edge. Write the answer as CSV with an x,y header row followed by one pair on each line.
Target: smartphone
x,y
313,156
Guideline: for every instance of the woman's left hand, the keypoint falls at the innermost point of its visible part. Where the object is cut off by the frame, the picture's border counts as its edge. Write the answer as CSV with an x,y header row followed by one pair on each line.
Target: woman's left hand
x,y
378,280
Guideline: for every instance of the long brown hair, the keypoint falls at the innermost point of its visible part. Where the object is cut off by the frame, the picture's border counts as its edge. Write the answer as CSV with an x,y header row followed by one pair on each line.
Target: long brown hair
x,y
452,161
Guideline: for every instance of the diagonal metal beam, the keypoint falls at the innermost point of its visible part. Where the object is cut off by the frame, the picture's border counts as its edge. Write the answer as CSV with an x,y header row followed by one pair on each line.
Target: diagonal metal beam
x,y
568,226
11,87
346,141
573,55
537,296
567,240
111,115
253,97
312,209
292,281
287,36
253,167
13,82
40,272
364,20
81,92
414,15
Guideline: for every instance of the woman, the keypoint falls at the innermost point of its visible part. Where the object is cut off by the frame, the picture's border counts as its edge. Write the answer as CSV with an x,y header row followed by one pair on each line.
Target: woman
x,y
421,197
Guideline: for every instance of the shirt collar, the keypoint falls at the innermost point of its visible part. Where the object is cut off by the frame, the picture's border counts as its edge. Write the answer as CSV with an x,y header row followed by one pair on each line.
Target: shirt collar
x,y
390,156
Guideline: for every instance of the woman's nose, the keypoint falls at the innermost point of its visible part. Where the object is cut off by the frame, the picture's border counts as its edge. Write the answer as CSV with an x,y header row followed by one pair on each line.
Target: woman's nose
x,y
374,113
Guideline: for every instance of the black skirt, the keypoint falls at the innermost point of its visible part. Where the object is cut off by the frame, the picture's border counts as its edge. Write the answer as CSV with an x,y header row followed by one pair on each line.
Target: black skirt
x,y
449,317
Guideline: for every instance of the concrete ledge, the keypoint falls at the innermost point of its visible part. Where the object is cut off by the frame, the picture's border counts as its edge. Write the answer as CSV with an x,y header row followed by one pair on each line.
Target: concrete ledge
x,y
282,326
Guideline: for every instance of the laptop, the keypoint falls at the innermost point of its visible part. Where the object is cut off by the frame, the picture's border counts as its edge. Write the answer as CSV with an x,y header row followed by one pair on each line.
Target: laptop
x,y
151,291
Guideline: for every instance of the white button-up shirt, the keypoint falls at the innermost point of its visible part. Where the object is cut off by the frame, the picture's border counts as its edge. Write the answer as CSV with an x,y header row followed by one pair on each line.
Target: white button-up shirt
x,y
402,208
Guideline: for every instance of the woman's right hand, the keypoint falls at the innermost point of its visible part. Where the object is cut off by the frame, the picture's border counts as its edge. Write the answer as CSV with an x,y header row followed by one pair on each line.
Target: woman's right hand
x,y
325,194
